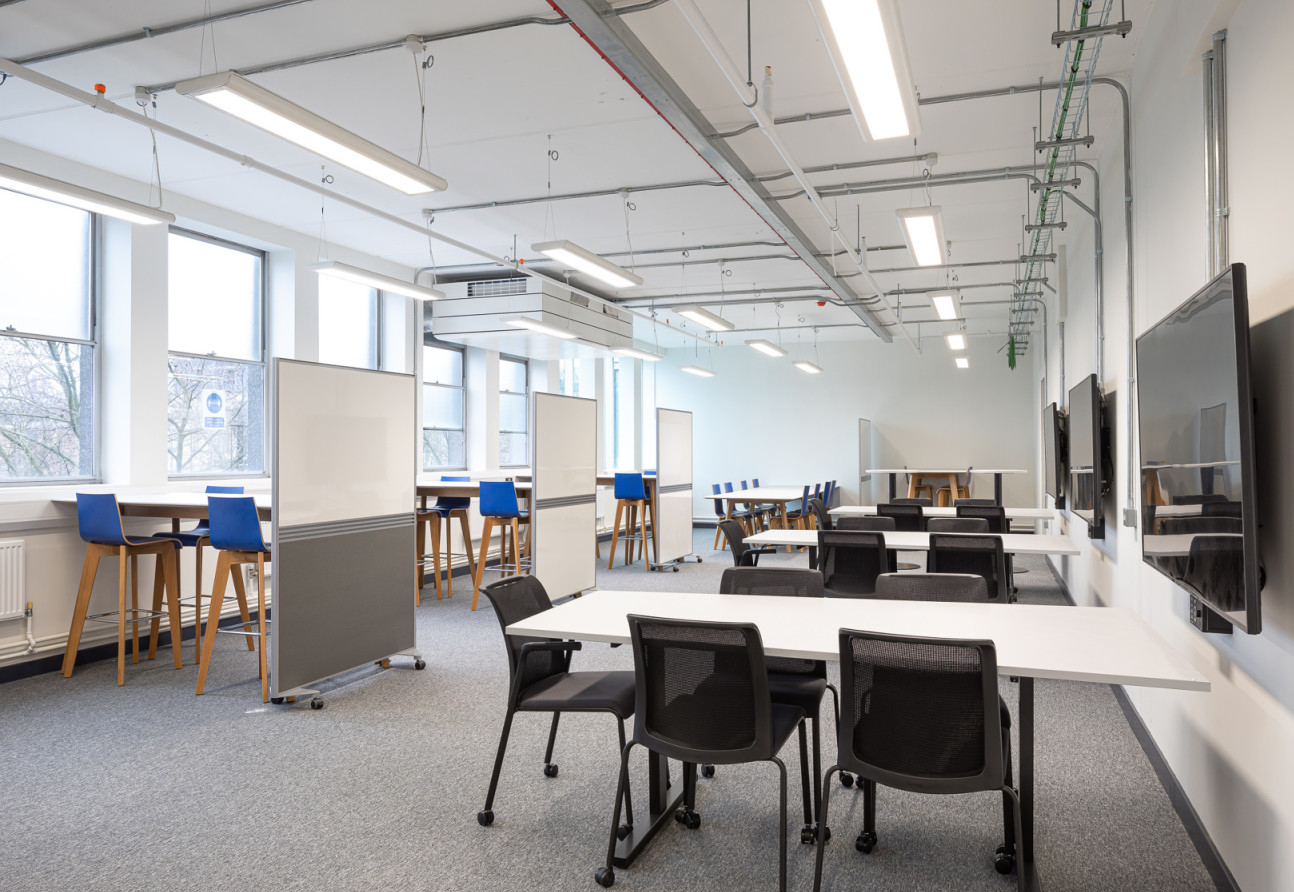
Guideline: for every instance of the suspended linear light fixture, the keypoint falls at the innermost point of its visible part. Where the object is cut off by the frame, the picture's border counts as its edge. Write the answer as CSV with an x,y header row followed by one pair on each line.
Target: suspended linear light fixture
x,y
236,95
375,280
38,186
587,262
540,327
702,316
956,341
963,362
946,304
864,39
635,353
923,230
768,348
811,367
697,370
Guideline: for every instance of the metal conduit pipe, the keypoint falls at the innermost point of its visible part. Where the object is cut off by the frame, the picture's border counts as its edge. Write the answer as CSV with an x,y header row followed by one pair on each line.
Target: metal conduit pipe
x,y
102,103
568,196
928,158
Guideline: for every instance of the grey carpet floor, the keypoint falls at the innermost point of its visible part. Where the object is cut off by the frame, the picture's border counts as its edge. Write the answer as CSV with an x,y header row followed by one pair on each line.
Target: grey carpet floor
x,y
148,786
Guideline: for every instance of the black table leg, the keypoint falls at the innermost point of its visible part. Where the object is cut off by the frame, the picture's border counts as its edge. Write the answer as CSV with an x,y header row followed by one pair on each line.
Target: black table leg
x,y
894,482
663,797
997,488
1025,862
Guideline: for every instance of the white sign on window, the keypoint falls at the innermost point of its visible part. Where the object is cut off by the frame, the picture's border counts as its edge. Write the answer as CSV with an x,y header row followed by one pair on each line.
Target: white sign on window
x,y
213,409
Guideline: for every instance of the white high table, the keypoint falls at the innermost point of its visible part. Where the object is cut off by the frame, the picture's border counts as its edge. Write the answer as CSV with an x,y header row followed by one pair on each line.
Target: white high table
x,y
900,540
948,472
1103,645
949,511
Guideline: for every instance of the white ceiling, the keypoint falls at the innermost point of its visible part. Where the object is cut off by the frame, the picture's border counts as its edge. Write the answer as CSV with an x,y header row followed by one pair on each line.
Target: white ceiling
x,y
494,99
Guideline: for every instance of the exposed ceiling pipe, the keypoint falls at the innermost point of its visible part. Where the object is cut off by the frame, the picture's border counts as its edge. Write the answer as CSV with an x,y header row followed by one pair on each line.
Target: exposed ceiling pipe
x,y
102,103
568,196
929,158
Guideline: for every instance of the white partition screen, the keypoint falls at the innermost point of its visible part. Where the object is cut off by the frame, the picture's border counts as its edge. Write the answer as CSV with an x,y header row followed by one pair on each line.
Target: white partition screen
x,y
673,484
864,462
344,466
563,513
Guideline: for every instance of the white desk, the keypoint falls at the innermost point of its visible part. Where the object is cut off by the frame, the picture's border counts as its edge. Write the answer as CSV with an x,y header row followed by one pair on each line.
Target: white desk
x,y
948,511
996,472
761,494
175,505
1104,645
1012,543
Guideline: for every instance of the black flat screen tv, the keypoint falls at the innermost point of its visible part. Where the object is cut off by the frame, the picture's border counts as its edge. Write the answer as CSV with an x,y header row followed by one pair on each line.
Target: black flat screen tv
x,y
1088,455
1196,434
1055,453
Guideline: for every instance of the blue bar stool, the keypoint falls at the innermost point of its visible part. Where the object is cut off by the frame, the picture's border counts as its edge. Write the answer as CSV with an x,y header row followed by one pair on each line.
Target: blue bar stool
x,y
499,508
445,509
722,514
744,515
98,519
236,533
197,538
633,505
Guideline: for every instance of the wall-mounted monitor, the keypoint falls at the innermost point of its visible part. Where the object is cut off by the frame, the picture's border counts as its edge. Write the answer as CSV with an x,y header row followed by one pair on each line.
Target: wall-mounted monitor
x,y
1089,460
1196,431
1055,453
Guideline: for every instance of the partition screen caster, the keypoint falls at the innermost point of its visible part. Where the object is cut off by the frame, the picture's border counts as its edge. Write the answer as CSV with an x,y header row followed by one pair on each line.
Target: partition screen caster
x,y
485,818
624,830
550,770
605,876
316,703
420,664
688,818
276,700
866,841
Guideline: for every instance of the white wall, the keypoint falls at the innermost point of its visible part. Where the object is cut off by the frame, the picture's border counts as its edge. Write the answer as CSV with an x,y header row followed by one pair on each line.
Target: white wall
x,y
762,417
1230,749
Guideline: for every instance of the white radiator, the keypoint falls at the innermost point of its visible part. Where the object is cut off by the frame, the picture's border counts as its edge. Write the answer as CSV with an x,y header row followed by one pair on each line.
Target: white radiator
x,y
13,585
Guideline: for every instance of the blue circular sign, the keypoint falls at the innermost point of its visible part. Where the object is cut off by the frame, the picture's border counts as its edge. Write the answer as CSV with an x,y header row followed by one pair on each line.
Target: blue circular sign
x,y
214,403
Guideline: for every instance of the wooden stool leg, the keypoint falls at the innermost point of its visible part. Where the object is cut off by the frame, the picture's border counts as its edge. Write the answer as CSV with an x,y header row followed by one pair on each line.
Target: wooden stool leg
x,y
467,541
223,570
435,555
197,601
121,616
631,513
170,562
480,561
240,591
615,533
260,623
516,544
420,549
655,547
158,583
449,551
88,571
134,613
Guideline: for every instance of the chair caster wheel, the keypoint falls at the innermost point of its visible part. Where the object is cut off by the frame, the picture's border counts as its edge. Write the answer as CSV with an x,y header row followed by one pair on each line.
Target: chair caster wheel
x,y
1004,863
550,770
485,818
420,664
316,703
689,819
276,700
847,780
809,834
605,876
624,830
707,771
866,841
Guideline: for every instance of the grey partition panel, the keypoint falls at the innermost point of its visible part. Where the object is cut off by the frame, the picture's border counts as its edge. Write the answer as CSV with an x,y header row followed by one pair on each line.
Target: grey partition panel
x,y
864,462
563,511
674,483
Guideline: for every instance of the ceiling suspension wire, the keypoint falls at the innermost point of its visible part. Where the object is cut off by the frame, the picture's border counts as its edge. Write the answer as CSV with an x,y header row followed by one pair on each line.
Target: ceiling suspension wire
x,y
207,29
421,68
550,222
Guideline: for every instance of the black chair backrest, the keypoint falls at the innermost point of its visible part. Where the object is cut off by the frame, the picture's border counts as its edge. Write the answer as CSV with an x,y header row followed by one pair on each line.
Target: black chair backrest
x,y
850,561
865,522
983,503
1199,498
957,525
924,503
1216,566
783,582
907,518
514,599
819,509
969,553
701,690
736,537
994,514
961,587
1220,509
920,714
1169,526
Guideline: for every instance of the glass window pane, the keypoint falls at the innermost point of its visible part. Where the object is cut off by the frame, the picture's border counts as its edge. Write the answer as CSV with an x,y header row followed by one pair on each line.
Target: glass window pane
x,y
512,376
513,450
347,323
624,413
441,365
44,267
46,409
215,416
214,298
442,406
443,449
512,411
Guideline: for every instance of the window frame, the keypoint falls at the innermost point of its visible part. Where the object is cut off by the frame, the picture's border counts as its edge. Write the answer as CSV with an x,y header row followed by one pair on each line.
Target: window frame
x,y
429,341
263,362
525,364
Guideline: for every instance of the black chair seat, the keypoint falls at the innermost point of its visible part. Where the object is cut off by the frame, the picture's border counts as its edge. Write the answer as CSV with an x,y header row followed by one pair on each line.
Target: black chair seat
x,y
581,692
801,691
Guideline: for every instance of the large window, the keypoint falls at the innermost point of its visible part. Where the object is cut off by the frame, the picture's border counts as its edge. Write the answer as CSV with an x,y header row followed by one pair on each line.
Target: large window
x,y
348,324
47,428
216,400
514,404
444,437
575,377
622,413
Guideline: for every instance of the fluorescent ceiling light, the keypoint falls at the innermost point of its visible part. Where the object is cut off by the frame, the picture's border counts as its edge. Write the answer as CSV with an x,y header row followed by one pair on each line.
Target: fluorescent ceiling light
x,y
946,304
542,328
805,366
923,230
37,186
766,347
864,39
697,370
963,362
638,354
375,280
586,261
956,341
234,94
702,316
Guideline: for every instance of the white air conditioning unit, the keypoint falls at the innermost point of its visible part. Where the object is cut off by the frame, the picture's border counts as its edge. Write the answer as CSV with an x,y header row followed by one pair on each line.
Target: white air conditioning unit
x,y
478,314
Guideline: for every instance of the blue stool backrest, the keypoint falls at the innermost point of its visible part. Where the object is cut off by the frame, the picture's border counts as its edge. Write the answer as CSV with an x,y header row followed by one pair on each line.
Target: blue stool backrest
x,y
98,518
743,485
755,480
718,503
826,492
203,526
453,503
499,499
649,473
235,525
804,500
630,486
727,487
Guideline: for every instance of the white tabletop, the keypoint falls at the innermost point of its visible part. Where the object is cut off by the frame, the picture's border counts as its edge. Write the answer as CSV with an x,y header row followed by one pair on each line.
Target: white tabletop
x,y
961,470
1012,543
432,483
762,494
1175,545
945,511
176,499
1107,645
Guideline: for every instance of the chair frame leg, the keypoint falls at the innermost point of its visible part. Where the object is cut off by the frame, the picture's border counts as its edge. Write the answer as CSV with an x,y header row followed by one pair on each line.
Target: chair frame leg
x,y
781,824
822,822
552,740
498,759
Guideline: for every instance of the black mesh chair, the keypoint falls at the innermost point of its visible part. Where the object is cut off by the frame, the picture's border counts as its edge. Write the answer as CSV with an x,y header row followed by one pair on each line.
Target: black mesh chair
x,y
1220,508
875,524
995,515
1216,565
542,681
921,714
702,696
790,681
907,518
1199,525
743,555
850,561
968,553
983,503
957,525
966,588
820,511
